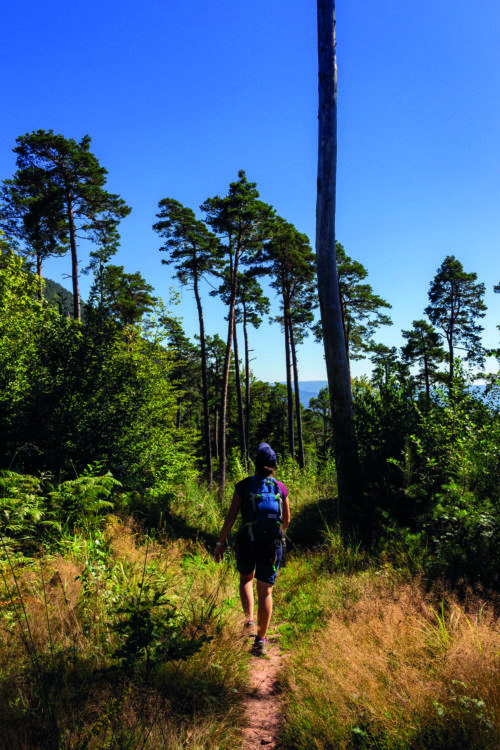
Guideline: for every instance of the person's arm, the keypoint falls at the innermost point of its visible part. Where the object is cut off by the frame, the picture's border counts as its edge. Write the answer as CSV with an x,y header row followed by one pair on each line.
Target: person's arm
x,y
232,514
285,513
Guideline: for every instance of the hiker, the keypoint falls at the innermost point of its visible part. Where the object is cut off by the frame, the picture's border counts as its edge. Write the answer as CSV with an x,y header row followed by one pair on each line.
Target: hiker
x,y
265,513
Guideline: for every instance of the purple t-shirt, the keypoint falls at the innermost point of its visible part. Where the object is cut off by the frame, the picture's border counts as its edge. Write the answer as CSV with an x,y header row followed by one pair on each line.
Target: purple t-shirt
x,y
241,488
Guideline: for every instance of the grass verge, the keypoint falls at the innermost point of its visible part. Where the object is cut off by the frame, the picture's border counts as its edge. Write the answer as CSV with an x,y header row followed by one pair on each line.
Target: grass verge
x,y
392,669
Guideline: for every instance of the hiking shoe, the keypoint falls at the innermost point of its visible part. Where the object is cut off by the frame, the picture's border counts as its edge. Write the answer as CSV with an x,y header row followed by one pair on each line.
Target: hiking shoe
x,y
259,647
249,629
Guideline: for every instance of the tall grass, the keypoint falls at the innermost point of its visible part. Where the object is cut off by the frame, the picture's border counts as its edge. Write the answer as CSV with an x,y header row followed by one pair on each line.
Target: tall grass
x,y
396,670
76,672
125,634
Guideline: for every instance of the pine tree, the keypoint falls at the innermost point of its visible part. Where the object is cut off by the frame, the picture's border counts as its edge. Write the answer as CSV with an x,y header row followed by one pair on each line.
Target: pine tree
x,y
456,305
29,214
126,297
361,314
253,306
424,348
71,199
241,221
291,263
360,307
193,251
321,405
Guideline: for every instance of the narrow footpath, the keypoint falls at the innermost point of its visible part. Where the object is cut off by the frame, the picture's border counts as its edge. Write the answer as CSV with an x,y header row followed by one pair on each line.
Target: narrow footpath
x,y
261,703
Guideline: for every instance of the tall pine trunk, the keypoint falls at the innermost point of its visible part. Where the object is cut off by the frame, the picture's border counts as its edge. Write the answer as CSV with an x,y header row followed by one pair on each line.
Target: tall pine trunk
x,y
345,327
239,395
225,375
74,256
247,385
216,433
289,390
204,382
452,360
297,395
427,380
39,274
339,383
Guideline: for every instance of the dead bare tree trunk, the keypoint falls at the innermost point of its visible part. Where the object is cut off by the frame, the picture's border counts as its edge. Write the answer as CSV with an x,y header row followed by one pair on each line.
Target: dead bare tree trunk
x,y
339,383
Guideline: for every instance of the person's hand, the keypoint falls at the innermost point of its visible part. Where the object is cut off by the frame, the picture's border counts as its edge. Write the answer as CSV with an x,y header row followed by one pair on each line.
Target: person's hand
x,y
218,552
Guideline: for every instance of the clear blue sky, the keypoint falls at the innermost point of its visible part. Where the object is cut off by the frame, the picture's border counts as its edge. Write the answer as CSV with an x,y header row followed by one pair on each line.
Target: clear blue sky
x,y
178,96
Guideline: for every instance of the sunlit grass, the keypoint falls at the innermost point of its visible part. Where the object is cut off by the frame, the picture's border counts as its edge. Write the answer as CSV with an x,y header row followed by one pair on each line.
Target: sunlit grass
x,y
62,686
373,661
392,670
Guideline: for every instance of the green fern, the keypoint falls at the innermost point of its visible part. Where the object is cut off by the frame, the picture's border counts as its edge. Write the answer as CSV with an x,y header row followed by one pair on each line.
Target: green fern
x,y
83,498
23,510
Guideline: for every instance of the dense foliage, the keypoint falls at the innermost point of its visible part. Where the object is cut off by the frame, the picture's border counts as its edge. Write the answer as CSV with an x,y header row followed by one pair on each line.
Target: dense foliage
x,y
113,424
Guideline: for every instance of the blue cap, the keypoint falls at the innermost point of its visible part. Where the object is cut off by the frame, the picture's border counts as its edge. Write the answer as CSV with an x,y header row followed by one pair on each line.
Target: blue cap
x,y
265,455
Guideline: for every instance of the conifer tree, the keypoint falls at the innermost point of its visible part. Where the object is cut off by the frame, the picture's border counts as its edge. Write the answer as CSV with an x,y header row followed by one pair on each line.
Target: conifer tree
x,y
360,307
321,405
361,314
251,304
72,200
241,221
29,214
126,297
456,306
216,353
254,304
193,251
292,268
186,370
424,348
386,361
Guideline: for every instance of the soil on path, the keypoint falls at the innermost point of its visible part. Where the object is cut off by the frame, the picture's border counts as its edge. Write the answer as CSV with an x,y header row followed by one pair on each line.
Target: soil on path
x,y
261,703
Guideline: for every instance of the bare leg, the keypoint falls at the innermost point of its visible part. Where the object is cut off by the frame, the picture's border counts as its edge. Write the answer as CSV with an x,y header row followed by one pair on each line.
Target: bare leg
x,y
265,608
246,595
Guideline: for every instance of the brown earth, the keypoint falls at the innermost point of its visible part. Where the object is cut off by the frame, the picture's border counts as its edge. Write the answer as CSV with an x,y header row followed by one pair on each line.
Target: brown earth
x,y
261,703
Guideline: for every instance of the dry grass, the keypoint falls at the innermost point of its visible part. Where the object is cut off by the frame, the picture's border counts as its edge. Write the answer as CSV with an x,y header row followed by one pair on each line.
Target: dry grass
x,y
60,687
397,670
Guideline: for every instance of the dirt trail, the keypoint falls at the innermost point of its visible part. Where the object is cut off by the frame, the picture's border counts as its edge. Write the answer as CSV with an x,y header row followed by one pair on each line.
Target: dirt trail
x,y
261,704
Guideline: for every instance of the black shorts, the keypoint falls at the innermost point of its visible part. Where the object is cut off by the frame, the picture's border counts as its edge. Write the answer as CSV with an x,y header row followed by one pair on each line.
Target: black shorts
x,y
261,556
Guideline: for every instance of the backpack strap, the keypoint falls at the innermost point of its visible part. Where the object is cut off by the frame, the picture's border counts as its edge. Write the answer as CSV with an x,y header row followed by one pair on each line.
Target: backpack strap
x,y
251,496
279,497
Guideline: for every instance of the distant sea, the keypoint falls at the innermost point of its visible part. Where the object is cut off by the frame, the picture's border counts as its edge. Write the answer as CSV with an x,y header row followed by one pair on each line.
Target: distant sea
x,y
309,389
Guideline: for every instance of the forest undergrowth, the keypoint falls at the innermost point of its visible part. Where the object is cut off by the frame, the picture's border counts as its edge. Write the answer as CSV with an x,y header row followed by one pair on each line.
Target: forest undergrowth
x,y
116,636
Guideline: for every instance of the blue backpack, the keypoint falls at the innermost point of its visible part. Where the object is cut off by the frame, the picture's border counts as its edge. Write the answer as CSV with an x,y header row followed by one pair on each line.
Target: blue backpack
x,y
261,510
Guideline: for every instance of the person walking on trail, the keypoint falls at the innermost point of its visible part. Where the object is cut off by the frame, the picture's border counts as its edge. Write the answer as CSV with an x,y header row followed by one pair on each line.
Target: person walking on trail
x,y
265,514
